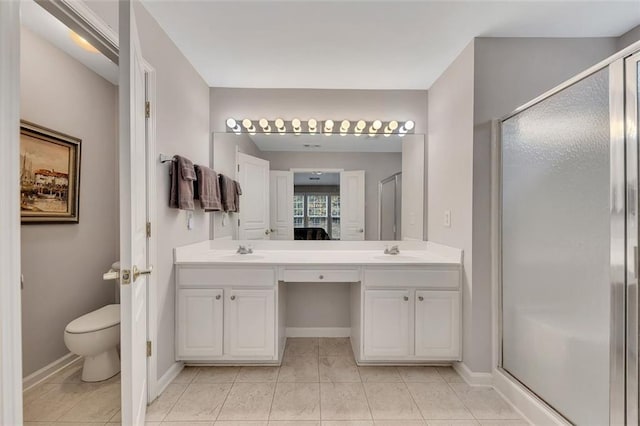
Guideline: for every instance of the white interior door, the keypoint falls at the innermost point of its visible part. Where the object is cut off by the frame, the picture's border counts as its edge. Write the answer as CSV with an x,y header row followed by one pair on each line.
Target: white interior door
x,y
133,218
281,204
352,205
253,176
10,319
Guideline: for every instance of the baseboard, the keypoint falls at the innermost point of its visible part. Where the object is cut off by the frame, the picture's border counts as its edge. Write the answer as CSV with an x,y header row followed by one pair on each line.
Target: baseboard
x,y
472,378
318,331
528,405
49,370
169,375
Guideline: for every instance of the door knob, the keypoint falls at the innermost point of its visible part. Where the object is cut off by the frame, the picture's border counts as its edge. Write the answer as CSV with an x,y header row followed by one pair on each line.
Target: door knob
x,y
420,298
111,275
137,272
218,297
406,298
233,298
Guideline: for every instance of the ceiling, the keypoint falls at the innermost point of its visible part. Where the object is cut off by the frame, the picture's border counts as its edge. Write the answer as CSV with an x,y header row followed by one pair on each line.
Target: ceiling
x,y
41,22
317,178
359,44
363,44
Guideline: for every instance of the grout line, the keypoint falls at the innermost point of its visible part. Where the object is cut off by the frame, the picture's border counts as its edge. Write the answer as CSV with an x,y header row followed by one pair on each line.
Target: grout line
x,y
177,399
275,388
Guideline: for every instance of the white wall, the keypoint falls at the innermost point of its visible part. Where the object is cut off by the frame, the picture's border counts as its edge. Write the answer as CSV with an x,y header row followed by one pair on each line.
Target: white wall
x,y
450,170
63,263
628,38
182,127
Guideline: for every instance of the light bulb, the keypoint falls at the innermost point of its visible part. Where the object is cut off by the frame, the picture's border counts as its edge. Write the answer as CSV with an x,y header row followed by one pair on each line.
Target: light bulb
x,y
313,125
406,127
328,126
264,123
280,126
390,128
360,125
231,123
376,125
296,124
247,123
344,127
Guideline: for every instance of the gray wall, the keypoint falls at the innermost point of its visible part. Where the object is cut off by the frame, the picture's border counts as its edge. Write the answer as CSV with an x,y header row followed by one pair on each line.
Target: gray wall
x,y
508,73
628,38
377,166
450,143
182,127
63,264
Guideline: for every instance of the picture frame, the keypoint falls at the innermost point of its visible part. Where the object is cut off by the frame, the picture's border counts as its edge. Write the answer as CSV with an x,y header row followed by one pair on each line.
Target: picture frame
x,y
49,175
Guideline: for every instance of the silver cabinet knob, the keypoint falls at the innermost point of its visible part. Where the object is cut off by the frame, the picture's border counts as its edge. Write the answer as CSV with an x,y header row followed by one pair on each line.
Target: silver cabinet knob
x,y
218,297
420,298
321,277
233,298
406,298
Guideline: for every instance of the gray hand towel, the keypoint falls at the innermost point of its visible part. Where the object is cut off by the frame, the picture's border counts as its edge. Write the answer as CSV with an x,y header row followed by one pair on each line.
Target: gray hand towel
x,y
182,177
208,189
229,191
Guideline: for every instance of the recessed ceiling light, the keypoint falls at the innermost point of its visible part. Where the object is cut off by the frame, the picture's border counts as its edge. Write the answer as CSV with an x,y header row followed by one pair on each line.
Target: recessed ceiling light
x,y
82,42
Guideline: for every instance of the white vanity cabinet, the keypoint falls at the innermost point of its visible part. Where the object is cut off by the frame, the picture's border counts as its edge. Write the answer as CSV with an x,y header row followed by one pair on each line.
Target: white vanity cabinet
x,y
410,314
226,314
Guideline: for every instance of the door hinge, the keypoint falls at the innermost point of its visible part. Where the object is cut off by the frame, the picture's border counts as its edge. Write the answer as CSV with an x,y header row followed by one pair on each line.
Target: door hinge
x,y
238,167
148,348
147,109
148,229
238,222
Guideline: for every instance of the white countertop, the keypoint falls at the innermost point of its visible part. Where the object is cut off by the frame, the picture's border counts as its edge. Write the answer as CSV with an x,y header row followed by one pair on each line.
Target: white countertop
x,y
324,253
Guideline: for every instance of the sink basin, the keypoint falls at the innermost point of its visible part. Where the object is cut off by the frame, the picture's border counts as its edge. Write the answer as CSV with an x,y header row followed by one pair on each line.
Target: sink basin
x,y
241,257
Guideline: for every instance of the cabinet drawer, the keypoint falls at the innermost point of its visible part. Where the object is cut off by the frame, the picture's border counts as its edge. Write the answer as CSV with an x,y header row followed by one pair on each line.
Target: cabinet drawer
x,y
406,277
319,275
207,277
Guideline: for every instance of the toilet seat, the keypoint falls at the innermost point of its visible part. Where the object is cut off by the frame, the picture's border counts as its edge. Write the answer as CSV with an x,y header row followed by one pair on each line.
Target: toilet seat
x,y
103,318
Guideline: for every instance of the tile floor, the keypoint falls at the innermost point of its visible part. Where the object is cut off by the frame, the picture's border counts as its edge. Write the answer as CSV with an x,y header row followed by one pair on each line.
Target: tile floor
x,y
317,384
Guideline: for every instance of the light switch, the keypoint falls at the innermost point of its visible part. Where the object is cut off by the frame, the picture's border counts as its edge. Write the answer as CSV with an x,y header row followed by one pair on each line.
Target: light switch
x,y
447,218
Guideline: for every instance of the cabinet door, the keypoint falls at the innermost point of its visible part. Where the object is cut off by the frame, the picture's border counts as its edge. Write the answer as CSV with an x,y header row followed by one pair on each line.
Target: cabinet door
x,y
200,323
438,324
250,322
386,323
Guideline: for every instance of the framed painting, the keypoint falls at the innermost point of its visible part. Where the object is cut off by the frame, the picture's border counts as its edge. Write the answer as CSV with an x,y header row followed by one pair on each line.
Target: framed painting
x,y
49,175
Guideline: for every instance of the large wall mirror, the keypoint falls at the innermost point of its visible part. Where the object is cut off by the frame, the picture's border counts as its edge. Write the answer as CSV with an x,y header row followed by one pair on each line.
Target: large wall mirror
x,y
322,187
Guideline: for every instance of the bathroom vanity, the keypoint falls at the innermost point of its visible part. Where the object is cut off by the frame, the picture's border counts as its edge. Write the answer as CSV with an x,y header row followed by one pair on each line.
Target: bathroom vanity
x,y
231,308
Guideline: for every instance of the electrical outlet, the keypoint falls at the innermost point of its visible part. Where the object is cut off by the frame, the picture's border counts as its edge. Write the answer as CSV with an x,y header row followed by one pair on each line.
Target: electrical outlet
x,y
447,218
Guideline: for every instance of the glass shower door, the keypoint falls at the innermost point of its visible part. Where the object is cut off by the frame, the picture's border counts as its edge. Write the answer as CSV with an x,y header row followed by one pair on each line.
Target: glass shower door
x,y
561,217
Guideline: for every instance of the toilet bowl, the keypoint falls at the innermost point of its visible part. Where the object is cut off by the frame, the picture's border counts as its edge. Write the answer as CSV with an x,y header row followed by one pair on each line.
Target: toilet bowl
x,y
95,336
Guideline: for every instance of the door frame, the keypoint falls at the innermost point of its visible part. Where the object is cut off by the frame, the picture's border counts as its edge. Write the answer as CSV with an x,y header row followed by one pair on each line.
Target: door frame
x,y
10,305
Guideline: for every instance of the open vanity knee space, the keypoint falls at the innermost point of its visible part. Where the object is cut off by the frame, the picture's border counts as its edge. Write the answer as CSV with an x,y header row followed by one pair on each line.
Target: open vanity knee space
x,y
231,307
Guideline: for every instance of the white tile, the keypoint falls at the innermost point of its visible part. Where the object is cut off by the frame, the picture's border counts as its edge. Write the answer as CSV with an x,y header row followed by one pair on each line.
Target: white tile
x,y
303,368
99,406
186,375
199,402
504,423
296,401
257,374
391,401
484,402
343,401
450,375
248,401
338,370
335,347
420,374
216,375
56,400
301,346
452,423
437,401
379,374
159,408
348,423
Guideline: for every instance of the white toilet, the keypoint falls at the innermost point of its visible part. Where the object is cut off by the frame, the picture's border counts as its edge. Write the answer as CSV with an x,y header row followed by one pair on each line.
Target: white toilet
x,y
95,336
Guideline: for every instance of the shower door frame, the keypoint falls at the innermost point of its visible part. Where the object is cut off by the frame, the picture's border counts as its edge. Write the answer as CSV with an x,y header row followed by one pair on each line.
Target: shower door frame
x,y
623,394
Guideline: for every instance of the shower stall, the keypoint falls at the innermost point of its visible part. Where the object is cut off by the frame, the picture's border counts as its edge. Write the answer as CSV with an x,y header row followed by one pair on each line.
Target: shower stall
x,y
389,205
567,228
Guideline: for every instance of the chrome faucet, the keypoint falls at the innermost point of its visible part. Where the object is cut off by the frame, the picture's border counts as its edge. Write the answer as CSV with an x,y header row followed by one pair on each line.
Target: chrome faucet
x,y
392,251
244,250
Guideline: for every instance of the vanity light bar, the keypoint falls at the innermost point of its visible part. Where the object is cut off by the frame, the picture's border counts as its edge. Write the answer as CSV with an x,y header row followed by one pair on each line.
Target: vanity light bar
x,y
312,126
